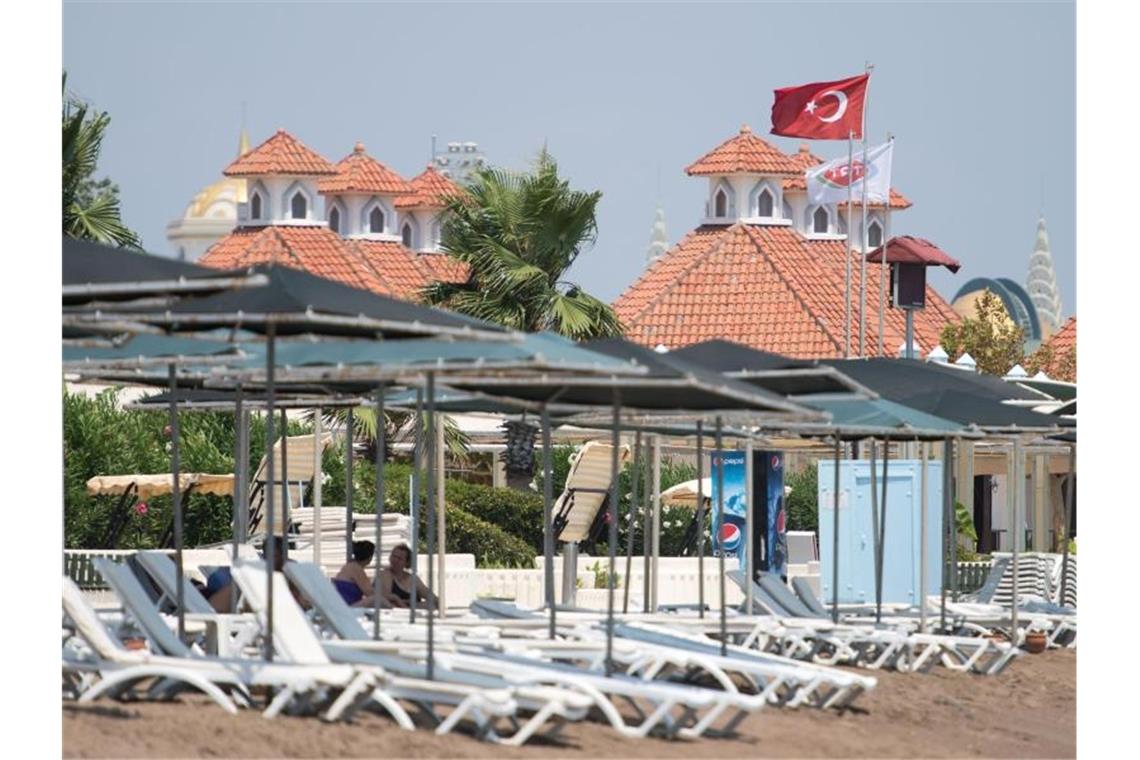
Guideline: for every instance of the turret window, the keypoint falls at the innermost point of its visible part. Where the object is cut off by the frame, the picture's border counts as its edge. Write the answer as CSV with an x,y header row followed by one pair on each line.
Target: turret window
x,y
299,206
764,203
787,210
255,206
819,221
720,204
406,235
376,220
874,234
334,220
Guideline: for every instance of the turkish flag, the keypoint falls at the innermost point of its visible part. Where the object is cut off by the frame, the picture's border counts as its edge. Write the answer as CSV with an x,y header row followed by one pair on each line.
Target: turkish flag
x,y
821,111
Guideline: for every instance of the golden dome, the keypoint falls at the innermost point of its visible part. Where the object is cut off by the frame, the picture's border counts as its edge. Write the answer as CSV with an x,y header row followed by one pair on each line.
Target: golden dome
x,y
219,200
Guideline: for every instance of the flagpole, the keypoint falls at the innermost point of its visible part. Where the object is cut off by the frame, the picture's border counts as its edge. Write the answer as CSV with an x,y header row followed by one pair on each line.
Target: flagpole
x,y
883,259
863,226
847,290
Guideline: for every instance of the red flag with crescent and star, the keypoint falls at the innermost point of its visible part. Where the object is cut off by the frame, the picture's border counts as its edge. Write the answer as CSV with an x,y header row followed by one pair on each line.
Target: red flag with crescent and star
x,y
822,110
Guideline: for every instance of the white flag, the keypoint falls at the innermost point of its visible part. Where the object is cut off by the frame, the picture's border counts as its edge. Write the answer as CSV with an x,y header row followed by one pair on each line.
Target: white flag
x,y
827,183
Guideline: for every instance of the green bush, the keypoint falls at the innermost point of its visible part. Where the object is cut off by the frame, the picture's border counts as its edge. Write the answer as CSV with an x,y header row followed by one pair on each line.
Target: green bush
x,y
802,502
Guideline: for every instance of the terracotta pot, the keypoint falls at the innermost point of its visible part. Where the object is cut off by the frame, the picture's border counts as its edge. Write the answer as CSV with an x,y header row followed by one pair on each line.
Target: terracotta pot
x,y
1035,642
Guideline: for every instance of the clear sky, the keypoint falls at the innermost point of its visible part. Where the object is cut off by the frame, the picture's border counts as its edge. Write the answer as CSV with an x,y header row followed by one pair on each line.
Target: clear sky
x,y
980,97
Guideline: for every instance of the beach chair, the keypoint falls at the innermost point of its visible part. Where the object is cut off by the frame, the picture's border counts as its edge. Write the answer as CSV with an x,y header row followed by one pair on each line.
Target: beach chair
x,y
300,471
295,641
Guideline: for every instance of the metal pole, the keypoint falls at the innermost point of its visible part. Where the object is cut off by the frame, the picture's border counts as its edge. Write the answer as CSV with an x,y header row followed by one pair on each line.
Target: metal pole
x,y
631,530
270,543
749,528
949,549
441,518
848,248
416,507
883,266
431,421
381,443
700,519
835,537
863,251
318,499
1070,494
1016,488
176,497
656,518
285,491
882,532
350,423
922,532
646,525
720,534
613,533
875,535
909,334
548,518
239,410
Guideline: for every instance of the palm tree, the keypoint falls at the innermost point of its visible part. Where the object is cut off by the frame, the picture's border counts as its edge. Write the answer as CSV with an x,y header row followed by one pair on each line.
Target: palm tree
x,y
519,232
90,208
398,428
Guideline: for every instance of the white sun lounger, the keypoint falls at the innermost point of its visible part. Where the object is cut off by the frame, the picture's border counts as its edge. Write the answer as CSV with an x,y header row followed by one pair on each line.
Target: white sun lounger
x,y
295,640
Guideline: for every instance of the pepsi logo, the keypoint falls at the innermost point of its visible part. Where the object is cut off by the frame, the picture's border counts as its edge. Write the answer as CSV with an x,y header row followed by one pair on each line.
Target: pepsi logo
x,y
730,537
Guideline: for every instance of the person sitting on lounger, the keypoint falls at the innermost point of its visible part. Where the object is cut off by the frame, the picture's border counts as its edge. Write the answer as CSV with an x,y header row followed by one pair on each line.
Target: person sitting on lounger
x,y
219,586
352,581
397,584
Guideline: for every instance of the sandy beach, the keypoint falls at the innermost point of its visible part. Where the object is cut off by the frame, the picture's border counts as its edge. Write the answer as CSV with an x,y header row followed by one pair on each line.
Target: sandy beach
x,y
1027,711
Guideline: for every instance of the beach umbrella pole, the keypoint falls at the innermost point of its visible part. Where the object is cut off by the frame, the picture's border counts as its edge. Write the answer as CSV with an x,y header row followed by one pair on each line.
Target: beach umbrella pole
x,y
176,497
749,527
270,544
381,443
613,532
1070,494
318,497
835,538
875,534
656,519
547,519
882,539
1016,488
236,500
922,532
720,535
949,541
414,507
285,482
700,519
350,423
431,506
646,524
631,522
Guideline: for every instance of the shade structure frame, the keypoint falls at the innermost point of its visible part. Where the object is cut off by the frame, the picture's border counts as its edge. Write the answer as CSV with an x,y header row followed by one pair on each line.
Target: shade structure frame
x,y
378,507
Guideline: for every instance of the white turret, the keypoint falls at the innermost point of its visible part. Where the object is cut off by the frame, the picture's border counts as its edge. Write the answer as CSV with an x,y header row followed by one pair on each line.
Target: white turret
x,y
1041,282
658,243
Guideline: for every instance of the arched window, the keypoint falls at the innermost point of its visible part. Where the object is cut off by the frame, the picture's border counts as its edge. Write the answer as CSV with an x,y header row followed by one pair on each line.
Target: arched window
x,y
334,219
874,234
376,220
787,210
764,203
255,206
299,206
406,235
720,204
819,220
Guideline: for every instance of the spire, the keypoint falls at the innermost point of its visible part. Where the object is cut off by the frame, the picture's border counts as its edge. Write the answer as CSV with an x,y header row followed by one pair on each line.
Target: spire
x,y
1041,282
658,243
243,137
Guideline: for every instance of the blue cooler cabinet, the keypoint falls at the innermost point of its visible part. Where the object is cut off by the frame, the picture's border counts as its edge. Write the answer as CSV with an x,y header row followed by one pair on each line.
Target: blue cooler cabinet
x,y
903,530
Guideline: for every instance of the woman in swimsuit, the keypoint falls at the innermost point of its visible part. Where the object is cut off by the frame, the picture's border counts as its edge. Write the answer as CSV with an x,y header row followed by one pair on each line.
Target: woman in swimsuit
x,y
352,582
396,582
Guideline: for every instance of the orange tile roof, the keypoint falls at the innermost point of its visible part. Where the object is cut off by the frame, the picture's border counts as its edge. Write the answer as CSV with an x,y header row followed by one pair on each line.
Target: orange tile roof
x,y
359,172
1065,339
767,287
898,201
429,189
280,154
405,272
1062,365
315,249
744,152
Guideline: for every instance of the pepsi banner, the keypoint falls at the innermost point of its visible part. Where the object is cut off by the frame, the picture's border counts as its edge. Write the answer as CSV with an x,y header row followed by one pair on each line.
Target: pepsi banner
x,y
729,528
770,544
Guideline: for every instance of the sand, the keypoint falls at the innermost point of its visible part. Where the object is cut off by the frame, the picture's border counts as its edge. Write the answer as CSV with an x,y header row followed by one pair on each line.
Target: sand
x,y
1027,711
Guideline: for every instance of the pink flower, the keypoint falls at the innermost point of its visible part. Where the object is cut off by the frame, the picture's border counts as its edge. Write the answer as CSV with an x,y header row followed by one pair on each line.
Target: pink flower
x,y
141,508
